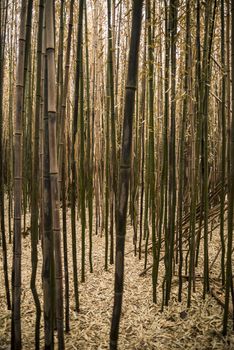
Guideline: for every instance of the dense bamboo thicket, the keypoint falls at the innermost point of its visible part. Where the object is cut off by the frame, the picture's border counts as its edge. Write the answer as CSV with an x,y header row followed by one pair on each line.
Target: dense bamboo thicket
x,y
115,115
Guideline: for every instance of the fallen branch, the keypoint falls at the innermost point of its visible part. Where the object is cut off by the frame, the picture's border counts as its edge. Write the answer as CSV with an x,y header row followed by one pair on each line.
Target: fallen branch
x,y
219,297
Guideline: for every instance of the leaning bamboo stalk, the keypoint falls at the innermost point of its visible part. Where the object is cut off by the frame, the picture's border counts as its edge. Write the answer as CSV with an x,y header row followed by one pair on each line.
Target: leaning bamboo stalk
x,y
2,194
125,163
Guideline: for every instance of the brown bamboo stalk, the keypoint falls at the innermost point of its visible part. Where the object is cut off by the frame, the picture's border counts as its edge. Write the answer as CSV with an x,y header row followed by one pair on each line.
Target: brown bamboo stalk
x,y
125,163
16,342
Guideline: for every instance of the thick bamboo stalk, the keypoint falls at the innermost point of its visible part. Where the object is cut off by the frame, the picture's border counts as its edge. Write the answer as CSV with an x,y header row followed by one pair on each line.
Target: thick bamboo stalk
x,y
125,163
53,168
16,273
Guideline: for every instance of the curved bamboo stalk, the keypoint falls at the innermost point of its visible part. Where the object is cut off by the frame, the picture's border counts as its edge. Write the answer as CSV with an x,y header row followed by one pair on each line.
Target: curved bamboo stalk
x,y
35,176
125,163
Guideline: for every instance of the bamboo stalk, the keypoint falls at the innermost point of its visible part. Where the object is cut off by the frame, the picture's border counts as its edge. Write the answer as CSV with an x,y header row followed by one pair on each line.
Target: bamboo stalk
x,y
125,163
16,342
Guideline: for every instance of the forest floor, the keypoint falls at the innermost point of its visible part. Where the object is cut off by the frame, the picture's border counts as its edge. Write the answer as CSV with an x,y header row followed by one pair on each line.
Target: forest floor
x,y
143,325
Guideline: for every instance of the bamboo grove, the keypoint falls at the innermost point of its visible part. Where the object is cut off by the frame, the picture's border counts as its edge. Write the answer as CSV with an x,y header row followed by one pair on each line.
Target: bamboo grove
x,y
115,113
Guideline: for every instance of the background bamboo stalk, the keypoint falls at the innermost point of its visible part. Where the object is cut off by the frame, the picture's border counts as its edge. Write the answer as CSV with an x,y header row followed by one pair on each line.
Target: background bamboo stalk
x,y
4,16
35,176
